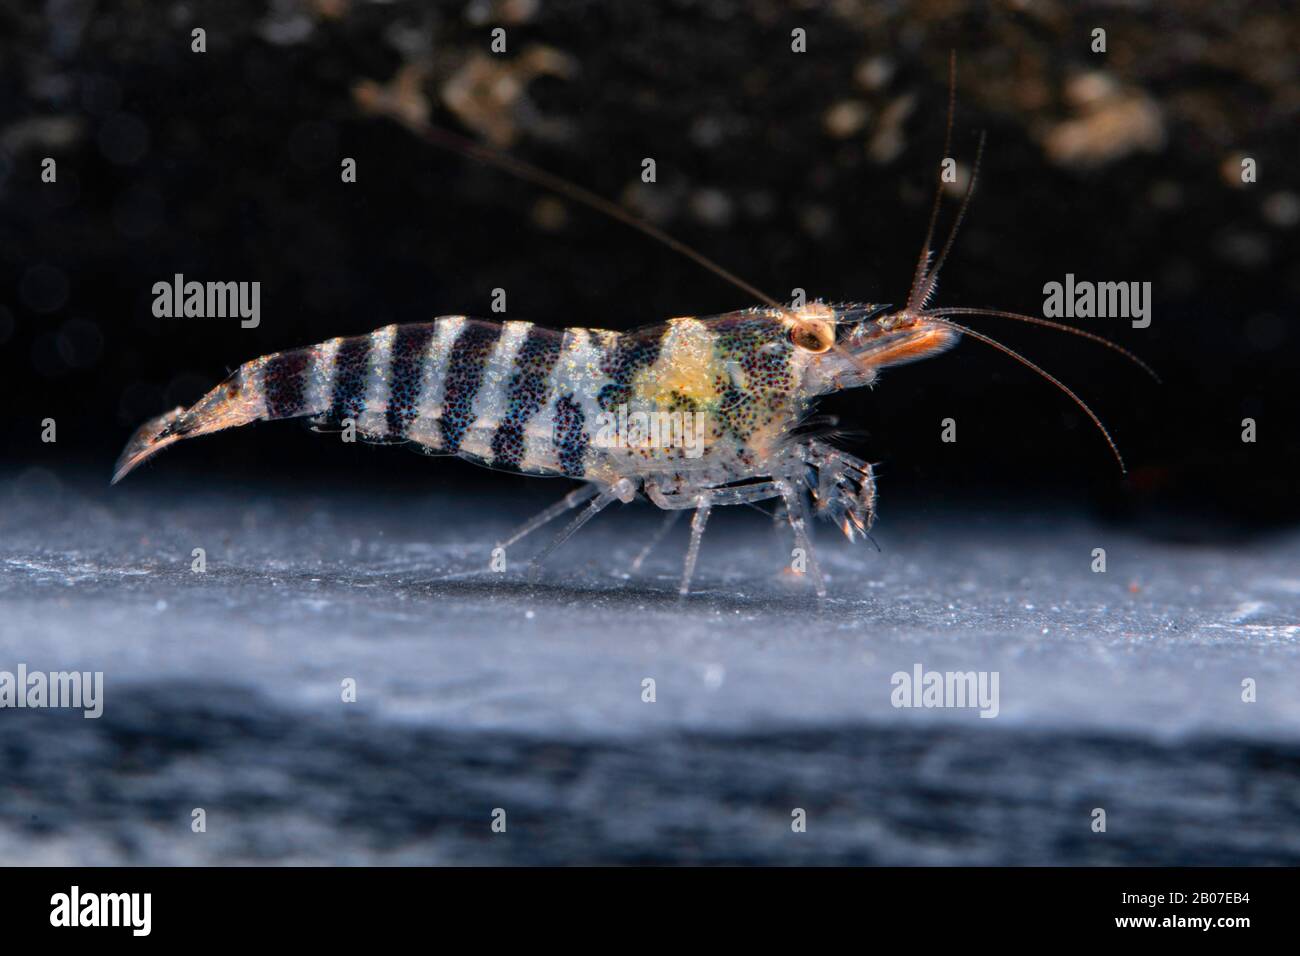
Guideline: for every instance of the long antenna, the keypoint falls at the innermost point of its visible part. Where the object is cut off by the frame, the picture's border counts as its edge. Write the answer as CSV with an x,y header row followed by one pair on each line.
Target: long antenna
x,y
979,336
923,260
444,139
927,276
1047,323
933,277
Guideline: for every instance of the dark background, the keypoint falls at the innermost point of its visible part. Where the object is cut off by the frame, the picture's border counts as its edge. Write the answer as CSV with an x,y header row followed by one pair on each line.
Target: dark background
x,y
809,170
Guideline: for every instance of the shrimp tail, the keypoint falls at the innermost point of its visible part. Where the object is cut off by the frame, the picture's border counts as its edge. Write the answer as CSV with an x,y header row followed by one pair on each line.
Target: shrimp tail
x,y
280,385
236,401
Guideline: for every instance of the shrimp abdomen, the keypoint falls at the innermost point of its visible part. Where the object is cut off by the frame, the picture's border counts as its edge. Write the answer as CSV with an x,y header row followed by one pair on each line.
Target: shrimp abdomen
x,y
489,392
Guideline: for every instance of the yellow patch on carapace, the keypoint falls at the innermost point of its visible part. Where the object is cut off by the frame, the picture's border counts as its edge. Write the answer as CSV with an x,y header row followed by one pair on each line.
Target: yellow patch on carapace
x,y
686,368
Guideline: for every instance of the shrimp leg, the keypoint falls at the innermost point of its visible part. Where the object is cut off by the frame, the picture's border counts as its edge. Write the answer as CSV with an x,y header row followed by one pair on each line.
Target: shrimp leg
x,y
703,501
567,503
670,520
797,512
621,490
689,498
704,504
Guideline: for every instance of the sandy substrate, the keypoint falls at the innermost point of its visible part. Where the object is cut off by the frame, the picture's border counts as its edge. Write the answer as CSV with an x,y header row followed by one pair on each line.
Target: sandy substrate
x,y
476,690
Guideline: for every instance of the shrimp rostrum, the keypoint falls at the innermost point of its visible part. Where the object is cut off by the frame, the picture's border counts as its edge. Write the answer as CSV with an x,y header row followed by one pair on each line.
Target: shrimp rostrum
x,y
690,414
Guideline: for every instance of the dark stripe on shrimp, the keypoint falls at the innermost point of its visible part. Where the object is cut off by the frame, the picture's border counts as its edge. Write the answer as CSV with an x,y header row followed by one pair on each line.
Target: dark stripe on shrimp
x,y
570,436
284,382
526,394
351,363
632,353
469,357
406,375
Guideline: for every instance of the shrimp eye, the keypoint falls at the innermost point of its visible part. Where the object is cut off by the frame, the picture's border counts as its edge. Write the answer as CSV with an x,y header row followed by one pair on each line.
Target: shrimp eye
x,y
813,336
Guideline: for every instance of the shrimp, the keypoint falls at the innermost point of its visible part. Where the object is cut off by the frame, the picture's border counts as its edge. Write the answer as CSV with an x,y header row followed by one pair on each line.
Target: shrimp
x,y
690,414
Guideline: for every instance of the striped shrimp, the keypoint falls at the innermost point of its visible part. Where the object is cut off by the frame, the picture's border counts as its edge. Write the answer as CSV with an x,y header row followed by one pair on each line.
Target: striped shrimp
x,y
515,396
